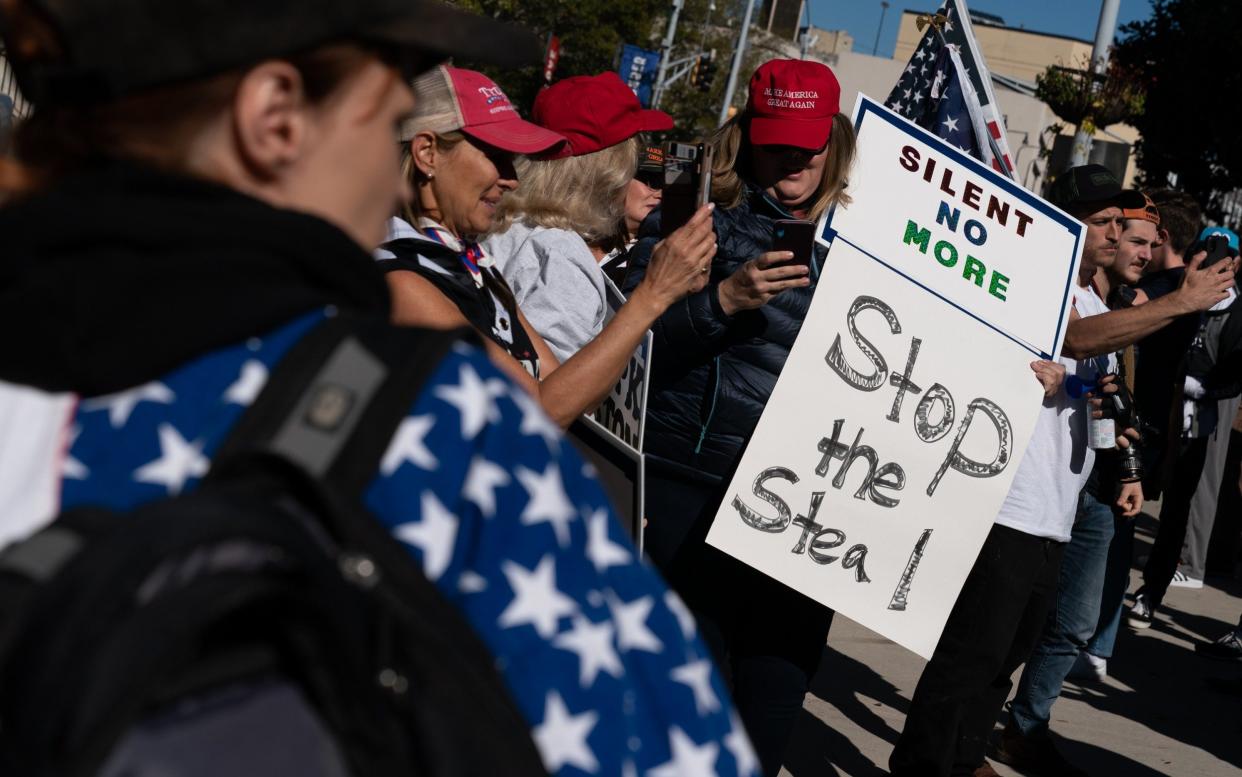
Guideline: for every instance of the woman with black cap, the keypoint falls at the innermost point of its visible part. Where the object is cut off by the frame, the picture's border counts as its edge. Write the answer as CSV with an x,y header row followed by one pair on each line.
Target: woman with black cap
x,y
198,189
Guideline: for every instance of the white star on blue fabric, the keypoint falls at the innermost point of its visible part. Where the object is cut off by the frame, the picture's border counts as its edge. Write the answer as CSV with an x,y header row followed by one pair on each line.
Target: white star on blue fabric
x,y
474,399
434,535
409,444
631,619
739,745
562,738
482,481
682,613
248,385
536,599
72,468
602,551
697,676
469,582
548,502
950,124
535,420
121,405
179,461
593,644
688,759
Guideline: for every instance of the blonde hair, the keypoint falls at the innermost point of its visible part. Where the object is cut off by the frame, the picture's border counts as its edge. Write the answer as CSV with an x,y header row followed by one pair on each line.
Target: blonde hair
x,y
583,194
731,165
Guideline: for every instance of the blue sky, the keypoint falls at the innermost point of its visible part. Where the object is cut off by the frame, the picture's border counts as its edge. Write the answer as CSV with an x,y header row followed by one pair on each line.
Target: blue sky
x,y
1076,18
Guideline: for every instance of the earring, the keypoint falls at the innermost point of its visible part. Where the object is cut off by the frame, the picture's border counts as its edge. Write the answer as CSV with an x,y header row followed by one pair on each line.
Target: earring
x,y
431,175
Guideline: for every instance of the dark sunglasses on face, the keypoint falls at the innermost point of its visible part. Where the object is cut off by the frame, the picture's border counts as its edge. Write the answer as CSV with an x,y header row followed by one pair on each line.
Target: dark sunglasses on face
x,y
650,178
781,150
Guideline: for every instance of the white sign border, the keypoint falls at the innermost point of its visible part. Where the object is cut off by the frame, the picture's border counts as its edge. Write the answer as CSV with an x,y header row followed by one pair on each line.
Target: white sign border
x,y
825,234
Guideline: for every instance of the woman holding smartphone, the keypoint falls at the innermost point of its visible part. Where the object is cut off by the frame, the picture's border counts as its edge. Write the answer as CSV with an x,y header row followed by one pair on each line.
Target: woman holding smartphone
x,y
462,149
718,353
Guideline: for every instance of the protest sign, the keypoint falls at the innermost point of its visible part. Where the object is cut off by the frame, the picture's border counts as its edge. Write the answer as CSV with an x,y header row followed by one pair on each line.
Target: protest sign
x,y
623,411
621,470
611,437
898,422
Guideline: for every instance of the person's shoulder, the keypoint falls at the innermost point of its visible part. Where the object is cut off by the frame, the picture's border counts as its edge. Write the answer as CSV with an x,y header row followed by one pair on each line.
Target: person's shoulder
x,y
549,239
1161,282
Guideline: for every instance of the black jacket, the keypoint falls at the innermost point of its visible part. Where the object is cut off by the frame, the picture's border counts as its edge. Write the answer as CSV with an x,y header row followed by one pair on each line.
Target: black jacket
x,y
711,373
121,273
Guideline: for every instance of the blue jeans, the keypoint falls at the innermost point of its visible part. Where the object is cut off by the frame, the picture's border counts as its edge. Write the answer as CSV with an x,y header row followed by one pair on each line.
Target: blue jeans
x,y
1073,619
1116,581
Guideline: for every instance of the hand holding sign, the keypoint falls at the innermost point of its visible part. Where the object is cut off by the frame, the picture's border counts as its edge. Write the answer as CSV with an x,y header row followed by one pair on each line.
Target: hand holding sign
x,y
890,441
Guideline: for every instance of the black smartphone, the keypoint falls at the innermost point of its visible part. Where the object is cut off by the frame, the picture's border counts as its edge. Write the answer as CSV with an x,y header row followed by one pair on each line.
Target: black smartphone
x,y
687,183
794,235
1217,247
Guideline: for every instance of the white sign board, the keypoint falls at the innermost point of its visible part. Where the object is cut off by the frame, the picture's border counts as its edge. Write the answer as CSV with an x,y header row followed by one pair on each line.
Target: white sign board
x,y
624,411
898,422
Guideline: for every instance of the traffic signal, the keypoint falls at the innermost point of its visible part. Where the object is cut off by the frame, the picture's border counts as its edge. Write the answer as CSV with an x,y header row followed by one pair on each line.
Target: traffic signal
x,y
704,72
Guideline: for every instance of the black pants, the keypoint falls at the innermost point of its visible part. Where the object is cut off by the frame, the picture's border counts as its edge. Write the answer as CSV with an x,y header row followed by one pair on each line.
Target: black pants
x,y
766,637
1166,552
991,630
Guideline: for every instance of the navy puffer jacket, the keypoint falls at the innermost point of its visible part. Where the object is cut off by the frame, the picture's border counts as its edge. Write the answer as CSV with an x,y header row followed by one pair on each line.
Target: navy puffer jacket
x,y
712,373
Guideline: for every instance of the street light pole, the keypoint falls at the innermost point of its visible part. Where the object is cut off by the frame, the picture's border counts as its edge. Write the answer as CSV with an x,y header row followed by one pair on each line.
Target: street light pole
x,y
666,53
738,54
1099,64
883,11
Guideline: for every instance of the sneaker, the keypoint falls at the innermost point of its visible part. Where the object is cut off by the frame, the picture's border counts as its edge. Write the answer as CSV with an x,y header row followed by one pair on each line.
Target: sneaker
x,y
1139,616
1088,667
1227,648
1183,580
1034,755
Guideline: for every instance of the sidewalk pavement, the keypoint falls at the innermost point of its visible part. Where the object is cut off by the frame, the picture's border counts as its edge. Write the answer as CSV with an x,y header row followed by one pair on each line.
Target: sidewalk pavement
x,y
1160,712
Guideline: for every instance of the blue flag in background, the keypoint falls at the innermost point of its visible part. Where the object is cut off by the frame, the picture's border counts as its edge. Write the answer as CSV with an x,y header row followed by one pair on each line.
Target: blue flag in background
x,y
638,69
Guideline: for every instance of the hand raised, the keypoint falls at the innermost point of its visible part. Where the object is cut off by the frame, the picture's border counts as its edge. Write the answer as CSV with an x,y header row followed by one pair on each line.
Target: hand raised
x,y
680,262
1203,287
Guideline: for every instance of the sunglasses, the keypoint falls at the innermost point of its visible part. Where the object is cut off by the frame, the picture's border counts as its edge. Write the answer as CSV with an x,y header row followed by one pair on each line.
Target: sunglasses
x,y
652,179
777,150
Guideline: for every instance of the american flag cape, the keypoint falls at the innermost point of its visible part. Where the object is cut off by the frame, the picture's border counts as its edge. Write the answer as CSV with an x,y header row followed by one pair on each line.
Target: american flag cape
x,y
493,503
953,52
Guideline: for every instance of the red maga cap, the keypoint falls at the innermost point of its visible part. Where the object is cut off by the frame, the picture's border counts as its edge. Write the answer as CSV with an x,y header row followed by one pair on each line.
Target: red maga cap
x,y
450,98
593,113
792,102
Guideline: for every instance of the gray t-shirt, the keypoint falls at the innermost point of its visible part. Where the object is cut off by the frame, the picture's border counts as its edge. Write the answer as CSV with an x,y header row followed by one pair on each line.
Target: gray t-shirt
x,y
557,282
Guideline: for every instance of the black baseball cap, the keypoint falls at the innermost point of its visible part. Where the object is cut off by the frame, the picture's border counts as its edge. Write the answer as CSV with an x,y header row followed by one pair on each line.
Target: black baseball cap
x,y
114,48
1092,185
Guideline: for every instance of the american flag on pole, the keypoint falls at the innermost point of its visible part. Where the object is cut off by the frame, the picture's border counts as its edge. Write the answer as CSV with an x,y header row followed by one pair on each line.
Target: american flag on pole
x,y
947,70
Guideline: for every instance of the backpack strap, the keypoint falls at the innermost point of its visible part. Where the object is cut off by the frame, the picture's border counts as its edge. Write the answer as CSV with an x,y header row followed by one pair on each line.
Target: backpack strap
x,y
326,417
332,403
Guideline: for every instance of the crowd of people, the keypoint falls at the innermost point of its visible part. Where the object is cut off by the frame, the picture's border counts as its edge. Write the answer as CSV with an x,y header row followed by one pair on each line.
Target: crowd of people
x,y
184,224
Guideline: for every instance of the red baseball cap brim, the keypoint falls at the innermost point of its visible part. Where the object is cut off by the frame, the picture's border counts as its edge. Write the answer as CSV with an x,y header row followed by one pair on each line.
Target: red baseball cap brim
x,y
811,134
517,136
648,120
655,121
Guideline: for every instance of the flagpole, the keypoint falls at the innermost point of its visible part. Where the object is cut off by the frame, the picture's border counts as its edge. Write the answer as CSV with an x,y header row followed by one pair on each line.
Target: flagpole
x,y
1104,32
738,54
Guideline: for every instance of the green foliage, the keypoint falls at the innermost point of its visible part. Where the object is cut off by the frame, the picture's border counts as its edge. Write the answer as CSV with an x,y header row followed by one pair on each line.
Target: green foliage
x,y
591,34
1186,56
1078,96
